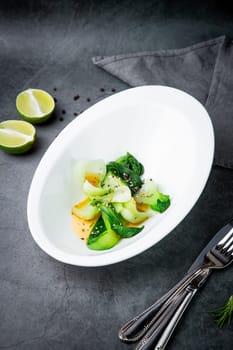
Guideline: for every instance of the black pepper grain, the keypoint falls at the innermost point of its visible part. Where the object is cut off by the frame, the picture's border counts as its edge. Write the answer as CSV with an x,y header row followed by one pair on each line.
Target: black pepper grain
x,y
75,114
76,97
113,90
102,89
63,111
61,119
88,99
54,89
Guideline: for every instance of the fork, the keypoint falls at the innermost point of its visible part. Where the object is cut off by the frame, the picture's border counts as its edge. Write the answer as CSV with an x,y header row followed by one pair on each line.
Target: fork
x,y
155,320
219,257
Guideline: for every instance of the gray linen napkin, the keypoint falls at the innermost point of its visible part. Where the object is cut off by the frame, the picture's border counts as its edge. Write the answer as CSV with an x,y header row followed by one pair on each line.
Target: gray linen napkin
x,y
204,70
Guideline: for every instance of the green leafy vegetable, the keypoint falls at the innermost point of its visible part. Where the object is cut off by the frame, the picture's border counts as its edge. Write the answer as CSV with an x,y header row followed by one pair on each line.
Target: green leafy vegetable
x,y
96,231
130,213
149,194
127,232
85,210
92,191
224,314
162,203
116,197
102,237
131,163
132,179
110,215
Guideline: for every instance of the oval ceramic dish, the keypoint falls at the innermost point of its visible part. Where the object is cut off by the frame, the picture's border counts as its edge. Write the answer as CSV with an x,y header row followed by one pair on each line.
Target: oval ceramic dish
x,y
167,130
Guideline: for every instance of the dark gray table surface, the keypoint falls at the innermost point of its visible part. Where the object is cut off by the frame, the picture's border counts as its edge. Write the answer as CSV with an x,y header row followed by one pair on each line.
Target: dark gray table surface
x,y
49,305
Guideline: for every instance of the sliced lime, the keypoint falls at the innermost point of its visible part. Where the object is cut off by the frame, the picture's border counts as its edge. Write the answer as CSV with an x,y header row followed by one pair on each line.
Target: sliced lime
x,y
35,105
16,136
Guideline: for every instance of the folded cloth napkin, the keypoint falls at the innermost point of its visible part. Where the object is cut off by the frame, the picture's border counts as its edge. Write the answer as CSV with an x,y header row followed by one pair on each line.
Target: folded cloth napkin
x,y
204,70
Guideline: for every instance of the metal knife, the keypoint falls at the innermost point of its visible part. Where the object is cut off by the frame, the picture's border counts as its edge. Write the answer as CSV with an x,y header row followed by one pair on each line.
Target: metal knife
x,y
135,328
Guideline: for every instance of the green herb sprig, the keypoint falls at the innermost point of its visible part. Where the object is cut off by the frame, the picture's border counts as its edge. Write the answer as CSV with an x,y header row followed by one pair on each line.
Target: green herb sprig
x,y
223,315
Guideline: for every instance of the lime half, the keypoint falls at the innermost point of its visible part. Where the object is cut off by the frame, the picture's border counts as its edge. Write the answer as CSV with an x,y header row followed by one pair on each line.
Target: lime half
x,y
35,105
16,136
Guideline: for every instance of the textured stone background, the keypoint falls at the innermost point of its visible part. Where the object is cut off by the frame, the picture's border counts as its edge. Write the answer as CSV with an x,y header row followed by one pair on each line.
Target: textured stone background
x,y
44,303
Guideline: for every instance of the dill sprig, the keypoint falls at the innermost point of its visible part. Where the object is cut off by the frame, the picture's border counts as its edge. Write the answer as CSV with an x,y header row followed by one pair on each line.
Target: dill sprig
x,y
224,313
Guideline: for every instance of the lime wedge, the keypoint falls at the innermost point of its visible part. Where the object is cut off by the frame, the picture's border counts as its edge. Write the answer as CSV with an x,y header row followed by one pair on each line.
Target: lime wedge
x,y
16,136
35,105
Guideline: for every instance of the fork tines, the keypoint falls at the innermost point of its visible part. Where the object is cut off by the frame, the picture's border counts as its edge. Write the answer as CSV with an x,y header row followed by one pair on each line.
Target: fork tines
x,y
225,246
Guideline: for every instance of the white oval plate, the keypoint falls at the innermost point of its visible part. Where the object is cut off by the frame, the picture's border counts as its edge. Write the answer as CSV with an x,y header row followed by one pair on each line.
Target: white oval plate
x,y
169,131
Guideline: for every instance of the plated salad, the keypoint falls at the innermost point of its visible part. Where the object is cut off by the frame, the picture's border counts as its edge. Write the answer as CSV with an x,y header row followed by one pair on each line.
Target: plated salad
x,y
116,201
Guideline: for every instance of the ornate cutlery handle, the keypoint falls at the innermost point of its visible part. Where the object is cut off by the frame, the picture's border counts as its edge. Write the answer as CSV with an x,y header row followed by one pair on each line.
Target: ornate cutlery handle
x,y
154,333
174,320
135,328
168,321
190,292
